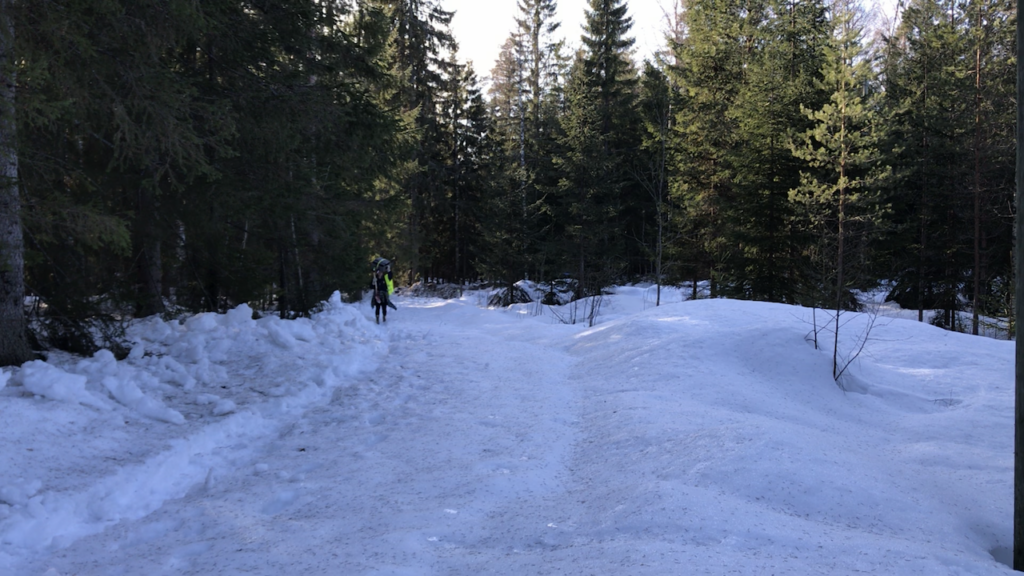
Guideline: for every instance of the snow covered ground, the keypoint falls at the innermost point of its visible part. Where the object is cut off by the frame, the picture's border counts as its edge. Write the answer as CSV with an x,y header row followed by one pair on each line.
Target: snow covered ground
x,y
702,437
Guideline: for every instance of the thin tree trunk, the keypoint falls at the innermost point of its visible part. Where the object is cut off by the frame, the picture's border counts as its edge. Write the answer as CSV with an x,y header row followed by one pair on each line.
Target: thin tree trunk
x,y
283,301
814,320
524,225
662,177
460,269
14,348
839,282
840,264
921,263
924,211
148,262
581,288
977,188
658,271
300,284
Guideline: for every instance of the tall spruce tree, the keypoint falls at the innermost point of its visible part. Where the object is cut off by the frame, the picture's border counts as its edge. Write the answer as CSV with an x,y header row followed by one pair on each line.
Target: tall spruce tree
x,y
949,81
525,106
510,216
784,41
708,68
601,138
608,50
586,206
999,160
543,66
453,229
992,172
287,219
109,128
928,93
535,29
422,45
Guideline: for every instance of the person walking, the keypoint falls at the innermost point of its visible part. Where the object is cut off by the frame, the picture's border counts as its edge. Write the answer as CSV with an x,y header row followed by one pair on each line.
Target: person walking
x,y
382,287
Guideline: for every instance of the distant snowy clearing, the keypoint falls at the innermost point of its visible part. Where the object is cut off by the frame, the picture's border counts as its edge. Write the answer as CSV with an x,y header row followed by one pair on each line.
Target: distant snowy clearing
x,y
696,437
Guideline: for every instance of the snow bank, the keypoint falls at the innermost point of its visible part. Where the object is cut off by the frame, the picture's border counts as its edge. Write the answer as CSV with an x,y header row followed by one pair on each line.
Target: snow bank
x,y
52,383
123,382
219,380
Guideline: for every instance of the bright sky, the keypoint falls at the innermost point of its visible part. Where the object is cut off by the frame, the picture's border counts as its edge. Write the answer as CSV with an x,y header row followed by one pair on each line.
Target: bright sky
x,y
482,26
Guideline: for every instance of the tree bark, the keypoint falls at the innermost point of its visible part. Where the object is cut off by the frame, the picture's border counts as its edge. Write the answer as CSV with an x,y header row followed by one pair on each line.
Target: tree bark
x,y
14,348
1018,458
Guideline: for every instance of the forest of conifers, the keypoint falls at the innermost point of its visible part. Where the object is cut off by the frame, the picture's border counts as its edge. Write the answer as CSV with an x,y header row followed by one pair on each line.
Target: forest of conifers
x,y
173,156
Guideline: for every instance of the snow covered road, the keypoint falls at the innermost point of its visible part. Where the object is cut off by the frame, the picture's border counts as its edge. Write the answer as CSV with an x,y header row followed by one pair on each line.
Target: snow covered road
x,y
697,438
454,446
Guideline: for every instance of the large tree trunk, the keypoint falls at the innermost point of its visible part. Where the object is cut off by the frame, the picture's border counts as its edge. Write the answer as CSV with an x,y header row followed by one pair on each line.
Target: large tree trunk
x,y
14,348
1018,244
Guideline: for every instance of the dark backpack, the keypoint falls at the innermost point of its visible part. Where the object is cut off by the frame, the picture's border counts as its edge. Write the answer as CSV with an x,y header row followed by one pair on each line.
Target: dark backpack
x,y
381,264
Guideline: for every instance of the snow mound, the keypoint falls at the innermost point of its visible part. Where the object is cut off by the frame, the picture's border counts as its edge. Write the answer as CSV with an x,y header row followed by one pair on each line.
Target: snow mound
x,y
18,493
52,383
123,382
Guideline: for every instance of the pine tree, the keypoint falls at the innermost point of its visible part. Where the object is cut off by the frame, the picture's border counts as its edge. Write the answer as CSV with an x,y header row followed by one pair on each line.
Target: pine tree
x,y
453,227
839,190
